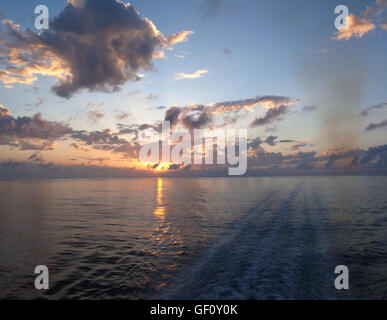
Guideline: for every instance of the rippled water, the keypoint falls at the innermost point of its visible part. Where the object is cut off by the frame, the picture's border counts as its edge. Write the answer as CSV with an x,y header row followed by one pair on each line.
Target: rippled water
x,y
197,238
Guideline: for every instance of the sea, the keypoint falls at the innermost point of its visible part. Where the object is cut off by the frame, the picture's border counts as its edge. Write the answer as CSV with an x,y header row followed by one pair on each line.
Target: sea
x,y
194,238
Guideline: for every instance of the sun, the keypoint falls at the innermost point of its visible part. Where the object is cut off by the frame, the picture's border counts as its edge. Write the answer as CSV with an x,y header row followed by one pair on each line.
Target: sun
x,y
162,167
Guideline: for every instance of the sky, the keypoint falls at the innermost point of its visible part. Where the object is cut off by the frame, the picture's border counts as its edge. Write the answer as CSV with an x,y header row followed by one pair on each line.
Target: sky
x,y
76,99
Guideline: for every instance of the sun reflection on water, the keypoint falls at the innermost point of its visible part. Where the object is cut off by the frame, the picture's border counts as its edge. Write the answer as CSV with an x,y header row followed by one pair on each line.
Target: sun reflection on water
x,y
159,211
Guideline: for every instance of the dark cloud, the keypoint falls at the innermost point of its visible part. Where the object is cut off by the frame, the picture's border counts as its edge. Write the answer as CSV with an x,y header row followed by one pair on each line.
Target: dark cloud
x,y
270,140
107,140
97,137
299,145
92,44
273,114
331,161
195,122
372,153
255,143
175,166
36,157
29,133
365,112
304,165
172,115
374,126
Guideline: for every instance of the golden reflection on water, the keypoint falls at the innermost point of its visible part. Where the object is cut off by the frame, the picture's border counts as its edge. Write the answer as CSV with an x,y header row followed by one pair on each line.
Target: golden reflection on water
x,y
166,237
159,211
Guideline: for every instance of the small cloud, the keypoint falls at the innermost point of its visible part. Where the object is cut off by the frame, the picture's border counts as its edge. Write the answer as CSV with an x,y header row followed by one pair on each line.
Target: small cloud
x,y
4,111
378,125
383,25
309,109
95,115
151,97
356,27
321,51
365,112
227,52
121,115
272,114
211,9
38,102
157,55
194,75
181,36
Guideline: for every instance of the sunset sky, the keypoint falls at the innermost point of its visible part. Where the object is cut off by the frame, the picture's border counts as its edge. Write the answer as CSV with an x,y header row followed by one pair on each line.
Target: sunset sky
x,y
75,99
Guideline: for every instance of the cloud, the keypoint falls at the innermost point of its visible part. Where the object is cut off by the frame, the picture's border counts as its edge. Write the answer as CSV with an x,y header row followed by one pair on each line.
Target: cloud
x,y
36,157
38,102
374,126
356,27
273,114
374,152
181,36
194,75
35,127
366,22
198,116
92,44
121,115
95,115
365,112
210,9
307,109
270,140
299,145
106,140
227,52
383,25
29,133
4,111
151,97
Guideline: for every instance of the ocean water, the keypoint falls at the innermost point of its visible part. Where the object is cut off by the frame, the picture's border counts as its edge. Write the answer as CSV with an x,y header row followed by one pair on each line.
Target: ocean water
x,y
196,238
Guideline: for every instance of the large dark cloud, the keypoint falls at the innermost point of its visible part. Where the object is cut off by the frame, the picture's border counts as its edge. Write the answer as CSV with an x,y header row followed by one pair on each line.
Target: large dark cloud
x,y
92,44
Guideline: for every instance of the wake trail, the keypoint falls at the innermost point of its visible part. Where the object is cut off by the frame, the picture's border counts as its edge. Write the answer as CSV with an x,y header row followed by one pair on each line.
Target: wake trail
x,y
275,252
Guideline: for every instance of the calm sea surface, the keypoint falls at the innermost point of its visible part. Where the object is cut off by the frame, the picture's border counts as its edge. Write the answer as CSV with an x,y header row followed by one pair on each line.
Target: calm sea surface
x,y
196,238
